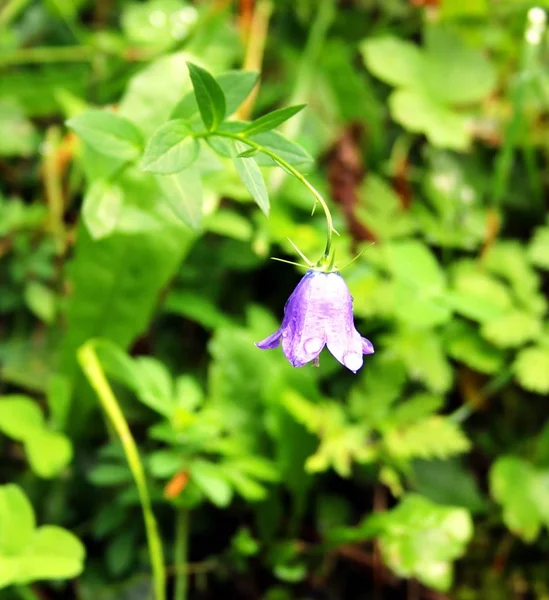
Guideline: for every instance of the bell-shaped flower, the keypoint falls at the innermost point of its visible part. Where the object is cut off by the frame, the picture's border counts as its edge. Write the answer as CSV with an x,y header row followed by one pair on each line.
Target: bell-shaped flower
x,y
320,313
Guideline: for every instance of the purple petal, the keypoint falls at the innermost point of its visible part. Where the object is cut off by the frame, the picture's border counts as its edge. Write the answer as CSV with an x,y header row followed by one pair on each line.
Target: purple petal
x,y
270,342
367,346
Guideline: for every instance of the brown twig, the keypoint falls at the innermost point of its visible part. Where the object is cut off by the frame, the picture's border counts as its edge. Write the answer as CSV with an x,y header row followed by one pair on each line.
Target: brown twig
x,y
257,31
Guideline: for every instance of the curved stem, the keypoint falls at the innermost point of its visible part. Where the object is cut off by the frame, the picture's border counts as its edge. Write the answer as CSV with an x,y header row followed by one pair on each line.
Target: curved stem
x,y
89,361
288,167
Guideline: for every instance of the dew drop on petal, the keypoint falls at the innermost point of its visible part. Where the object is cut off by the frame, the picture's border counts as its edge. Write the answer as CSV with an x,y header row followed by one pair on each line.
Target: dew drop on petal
x,y
284,333
313,345
353,361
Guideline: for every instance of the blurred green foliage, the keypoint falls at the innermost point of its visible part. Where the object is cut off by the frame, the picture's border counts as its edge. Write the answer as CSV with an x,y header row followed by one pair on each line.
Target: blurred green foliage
x,y
152,157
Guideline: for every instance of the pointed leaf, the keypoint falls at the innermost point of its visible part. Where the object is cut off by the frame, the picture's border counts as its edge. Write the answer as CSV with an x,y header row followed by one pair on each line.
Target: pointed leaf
x,y
289,151
108,133
236,85
273,119
171,149
211,480
183,191
209,96
251,177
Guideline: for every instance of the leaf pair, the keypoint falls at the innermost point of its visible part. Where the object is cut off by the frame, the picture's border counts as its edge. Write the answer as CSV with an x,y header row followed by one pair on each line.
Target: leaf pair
x,y
29,554
21,419
431,82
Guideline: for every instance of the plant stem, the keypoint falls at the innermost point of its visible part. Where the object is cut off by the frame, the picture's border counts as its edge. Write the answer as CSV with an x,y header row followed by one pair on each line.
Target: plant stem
x,y
11,10
54,188
290,169
87,357
181,553
257,38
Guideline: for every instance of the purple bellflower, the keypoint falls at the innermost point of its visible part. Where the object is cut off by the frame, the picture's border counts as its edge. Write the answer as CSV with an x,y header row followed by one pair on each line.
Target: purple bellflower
x,y
320,313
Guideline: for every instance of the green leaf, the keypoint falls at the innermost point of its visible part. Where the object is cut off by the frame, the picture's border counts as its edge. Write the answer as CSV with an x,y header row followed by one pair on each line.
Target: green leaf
x,y
249,153
418,289
101,208
448,482
420,539
209,96
478,295
108,474
53,553
252,178
511,329
165,463
416,407
272,119
509,260
511,484
393,60
183,193
17,521
41,300
464,343
212,481
48,452
418,113
538,250
108,133
531,368
414,263
453,73
28,554
423,355
434,437
153,92
154,385
171,149
116,281
284,148
236,86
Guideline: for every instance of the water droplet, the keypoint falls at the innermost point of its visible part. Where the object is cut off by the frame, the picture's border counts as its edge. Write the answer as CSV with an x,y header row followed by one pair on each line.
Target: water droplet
x,y
313,345
284,334
353,361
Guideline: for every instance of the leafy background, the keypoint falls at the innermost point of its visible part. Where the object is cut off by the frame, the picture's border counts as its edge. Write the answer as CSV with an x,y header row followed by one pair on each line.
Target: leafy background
x,y
128,225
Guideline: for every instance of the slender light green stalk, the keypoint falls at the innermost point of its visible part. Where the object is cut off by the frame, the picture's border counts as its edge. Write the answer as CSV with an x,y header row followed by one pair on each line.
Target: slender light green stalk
x,y
11,10
290,169
181,553
87,357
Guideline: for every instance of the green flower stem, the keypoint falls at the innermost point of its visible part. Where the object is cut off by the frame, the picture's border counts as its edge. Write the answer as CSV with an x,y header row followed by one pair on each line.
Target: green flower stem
x,y
290,169
87,357
181,553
